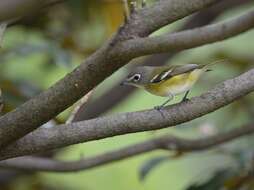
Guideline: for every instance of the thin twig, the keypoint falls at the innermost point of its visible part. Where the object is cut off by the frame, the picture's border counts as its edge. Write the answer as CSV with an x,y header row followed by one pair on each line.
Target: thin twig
x,y
133,6
126,10
163,142
80,103
188,38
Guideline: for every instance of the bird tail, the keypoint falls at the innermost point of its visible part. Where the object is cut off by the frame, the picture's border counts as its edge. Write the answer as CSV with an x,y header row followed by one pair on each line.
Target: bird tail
x,y
206,66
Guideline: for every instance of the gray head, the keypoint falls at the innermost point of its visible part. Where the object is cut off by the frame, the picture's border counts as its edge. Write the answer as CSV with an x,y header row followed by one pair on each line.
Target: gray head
x,y
139,76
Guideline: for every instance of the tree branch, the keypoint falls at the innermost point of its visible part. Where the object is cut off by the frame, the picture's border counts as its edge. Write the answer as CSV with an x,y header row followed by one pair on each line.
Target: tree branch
x,y
150,19
164,142
189,38
56,137
116,94
94,70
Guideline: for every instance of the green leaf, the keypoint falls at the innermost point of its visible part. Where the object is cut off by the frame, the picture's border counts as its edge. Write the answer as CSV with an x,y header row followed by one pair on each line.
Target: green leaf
x,y
216,182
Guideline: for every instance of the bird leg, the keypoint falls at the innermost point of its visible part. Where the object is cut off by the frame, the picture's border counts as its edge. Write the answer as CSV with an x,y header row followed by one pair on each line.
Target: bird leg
x,y
164,103
185,96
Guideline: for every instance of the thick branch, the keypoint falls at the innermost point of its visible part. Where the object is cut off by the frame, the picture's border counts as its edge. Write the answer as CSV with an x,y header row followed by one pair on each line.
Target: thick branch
x,y
56,137
163,142
94,70
189,38
162,13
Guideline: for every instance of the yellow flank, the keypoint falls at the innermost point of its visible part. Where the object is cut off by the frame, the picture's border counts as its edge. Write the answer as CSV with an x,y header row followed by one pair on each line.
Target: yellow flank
x,y
175,85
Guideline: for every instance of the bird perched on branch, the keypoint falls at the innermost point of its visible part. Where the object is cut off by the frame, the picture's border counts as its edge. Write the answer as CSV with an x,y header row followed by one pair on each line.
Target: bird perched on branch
x,y
167,81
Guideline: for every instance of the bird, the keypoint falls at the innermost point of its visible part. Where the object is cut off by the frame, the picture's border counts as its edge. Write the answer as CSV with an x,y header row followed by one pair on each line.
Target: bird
x,y
167,81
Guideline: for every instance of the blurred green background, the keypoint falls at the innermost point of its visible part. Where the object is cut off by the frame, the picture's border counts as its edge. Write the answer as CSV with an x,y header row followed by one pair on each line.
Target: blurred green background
x,y
40,49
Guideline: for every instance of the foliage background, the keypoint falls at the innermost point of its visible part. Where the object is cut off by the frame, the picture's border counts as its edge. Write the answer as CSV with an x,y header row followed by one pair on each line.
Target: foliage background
x,y
40,49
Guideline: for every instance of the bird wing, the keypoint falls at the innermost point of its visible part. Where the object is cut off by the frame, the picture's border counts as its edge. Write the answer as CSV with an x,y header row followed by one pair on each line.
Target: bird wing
x,y
168,72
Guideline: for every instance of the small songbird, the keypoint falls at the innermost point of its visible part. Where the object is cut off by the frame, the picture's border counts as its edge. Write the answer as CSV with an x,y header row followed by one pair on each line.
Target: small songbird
x,y
166,81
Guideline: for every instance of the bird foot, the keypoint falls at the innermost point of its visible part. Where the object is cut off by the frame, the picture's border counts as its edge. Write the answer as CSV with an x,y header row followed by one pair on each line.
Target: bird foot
x,y
185,100
159,108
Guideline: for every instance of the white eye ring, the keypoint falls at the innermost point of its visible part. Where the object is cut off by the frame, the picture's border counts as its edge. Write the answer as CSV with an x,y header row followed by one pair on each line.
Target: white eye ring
x,y
136,77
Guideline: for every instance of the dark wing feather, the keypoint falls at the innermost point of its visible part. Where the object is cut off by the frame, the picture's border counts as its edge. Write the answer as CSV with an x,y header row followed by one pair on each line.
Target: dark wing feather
x,y
173,71
185,69
161,76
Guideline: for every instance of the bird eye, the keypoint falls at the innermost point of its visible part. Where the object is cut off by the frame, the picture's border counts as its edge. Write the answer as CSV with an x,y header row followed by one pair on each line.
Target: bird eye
x,y
136,77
